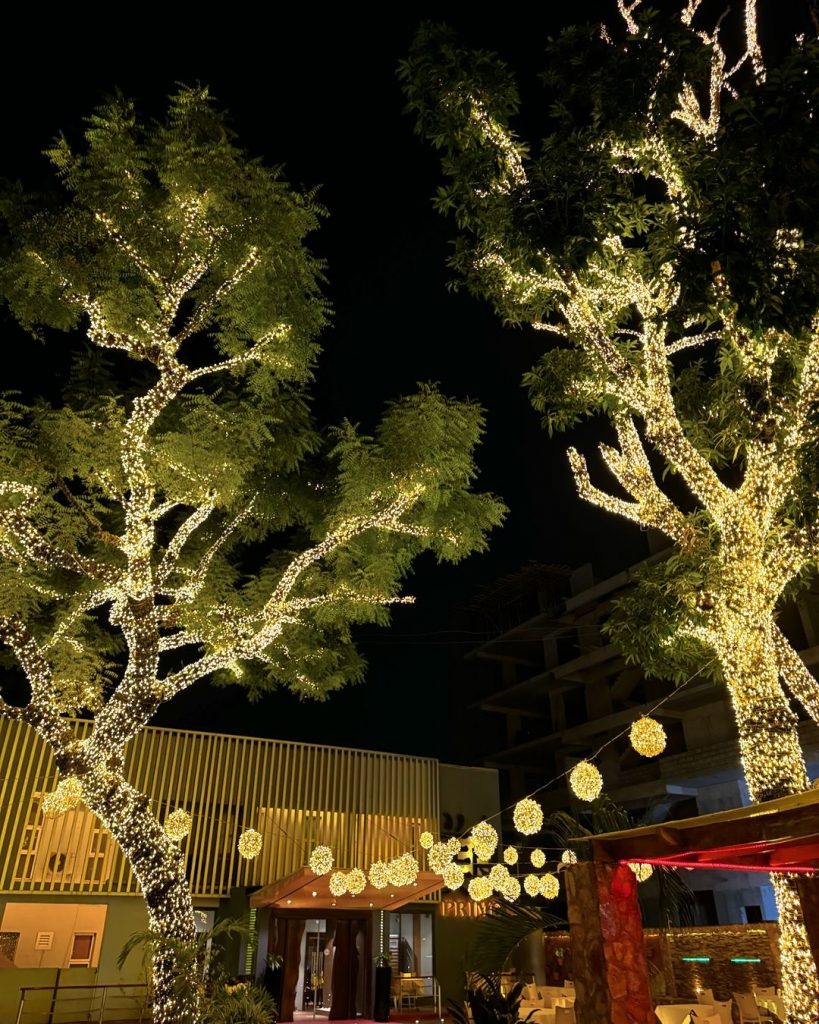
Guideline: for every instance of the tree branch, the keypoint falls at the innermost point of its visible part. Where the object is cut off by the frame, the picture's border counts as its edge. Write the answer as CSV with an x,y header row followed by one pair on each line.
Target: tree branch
x,y
797,676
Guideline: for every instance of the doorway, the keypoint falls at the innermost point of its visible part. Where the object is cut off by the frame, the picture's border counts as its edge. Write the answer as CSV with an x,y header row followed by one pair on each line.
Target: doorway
x,y
325,968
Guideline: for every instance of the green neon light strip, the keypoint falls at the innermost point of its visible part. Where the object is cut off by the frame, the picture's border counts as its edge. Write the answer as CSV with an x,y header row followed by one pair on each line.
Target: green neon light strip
x,y
696,959
746,959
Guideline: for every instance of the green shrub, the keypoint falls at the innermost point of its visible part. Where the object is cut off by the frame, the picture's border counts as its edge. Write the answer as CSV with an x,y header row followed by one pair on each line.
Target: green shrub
x,y
240,1004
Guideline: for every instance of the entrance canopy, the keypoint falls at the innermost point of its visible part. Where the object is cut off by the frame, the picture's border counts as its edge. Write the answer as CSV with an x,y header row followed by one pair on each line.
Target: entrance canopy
x,y
304,890
778,835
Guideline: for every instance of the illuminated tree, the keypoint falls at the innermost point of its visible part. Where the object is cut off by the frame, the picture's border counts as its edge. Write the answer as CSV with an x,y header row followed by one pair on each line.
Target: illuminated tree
x,y
174,514
663,238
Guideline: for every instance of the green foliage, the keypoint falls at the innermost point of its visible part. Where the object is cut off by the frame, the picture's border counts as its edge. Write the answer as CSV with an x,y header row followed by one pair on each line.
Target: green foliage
x,y
239,1004
486,1002
169,249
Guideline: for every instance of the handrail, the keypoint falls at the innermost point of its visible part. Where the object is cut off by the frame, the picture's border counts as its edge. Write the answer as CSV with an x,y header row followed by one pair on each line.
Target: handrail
x,y
95,1001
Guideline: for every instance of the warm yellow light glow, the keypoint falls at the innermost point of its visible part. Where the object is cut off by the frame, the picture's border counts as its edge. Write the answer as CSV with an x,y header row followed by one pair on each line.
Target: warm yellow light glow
x,y
531,883
647,737
484,840
538,858
453,844
356,882
479,888
586,781
403,870
498,875
528,816
178,824
642,872
250,844
568,857
453,876
510,889
425,840
438,856
549,887
65,797
321,860
338,883
510,855
380,874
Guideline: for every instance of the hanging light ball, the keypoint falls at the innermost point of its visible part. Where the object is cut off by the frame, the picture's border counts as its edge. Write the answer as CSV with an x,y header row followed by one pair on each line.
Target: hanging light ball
x,y
479,888
338,883
426,839
453,876
498,875
569,857
549,886
438,856
178,824
380,874
647,736
484,840
531,883
510,890
510,855
586,781
356,882
321,860
454,844
528,817
250,844
642,872
65,797
538,858
403,870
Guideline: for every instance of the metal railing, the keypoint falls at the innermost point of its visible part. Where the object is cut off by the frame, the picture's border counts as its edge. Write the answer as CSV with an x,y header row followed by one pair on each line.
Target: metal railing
x,y
417,992
82,1004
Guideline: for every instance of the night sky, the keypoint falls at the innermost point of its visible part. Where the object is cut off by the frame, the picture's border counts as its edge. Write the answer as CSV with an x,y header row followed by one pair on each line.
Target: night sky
x,y
319,94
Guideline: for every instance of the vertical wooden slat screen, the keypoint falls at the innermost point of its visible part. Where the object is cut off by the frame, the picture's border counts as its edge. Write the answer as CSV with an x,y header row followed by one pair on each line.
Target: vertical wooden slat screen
x,y
366,805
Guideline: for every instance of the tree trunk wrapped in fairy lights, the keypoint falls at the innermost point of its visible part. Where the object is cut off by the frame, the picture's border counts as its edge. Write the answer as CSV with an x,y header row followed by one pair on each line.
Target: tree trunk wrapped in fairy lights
x,y
663,238
178,515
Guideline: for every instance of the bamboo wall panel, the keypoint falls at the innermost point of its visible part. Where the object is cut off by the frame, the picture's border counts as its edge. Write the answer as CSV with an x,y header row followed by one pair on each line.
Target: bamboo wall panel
x,y
365,805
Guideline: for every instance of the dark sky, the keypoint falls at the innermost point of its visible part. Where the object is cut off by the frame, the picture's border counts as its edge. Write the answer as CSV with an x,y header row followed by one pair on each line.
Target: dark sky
x,y
319,94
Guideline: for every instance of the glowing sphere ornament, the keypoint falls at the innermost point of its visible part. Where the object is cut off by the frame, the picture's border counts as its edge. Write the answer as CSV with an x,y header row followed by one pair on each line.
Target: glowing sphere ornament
x,y
510,855
647,736
426,839
356,882
403,870
380,874
531,883
438,856
642,872
538,858
178,824
65,797
321,860
454,844
569,857
510,890
549,887
479,888
498,875
453,876
338,883
250,844
484,840
528,817
586,781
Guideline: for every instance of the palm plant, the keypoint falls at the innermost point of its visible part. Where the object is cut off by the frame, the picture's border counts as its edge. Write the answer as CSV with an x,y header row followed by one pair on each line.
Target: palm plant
x,y
487,1004
499,933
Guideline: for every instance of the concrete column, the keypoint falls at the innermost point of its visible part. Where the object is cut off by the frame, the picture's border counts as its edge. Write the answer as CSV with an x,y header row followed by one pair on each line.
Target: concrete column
x,y
608,955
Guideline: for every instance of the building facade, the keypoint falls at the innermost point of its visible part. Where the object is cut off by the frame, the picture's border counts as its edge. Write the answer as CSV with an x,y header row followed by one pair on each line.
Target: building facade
x,y
551,690
69,902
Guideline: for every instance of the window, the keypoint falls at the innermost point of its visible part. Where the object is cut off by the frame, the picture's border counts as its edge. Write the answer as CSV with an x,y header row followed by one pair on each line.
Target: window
x,y
81,949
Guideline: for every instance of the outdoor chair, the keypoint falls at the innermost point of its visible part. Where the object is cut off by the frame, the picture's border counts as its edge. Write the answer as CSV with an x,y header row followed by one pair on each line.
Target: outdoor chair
x,y
749,1010
564,1015
705,995
723,1010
